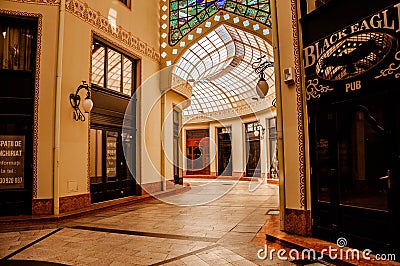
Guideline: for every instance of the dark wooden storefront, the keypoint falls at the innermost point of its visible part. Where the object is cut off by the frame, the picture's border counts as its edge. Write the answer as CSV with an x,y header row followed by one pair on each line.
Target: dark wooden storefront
x,y
224,151
112,124
352,89
198,152
111,177
17,93
253,137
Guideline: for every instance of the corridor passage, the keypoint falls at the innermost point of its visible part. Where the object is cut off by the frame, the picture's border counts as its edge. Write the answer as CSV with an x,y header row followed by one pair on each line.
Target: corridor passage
x,y
188,232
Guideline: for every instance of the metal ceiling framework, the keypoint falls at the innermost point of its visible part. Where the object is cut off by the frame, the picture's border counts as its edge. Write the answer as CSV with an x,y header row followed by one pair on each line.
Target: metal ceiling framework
x,y
219,67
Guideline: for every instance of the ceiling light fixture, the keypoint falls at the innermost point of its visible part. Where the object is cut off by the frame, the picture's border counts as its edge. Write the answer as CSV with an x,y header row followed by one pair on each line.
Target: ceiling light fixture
x,y
259,67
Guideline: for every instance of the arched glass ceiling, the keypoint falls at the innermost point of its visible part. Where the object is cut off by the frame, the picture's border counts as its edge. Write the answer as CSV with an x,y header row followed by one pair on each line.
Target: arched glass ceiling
x,y
220,68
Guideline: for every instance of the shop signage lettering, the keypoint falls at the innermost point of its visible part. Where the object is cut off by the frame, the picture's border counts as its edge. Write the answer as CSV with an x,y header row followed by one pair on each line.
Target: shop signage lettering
x,y
336,66
380,20
352,86
111,156
12,155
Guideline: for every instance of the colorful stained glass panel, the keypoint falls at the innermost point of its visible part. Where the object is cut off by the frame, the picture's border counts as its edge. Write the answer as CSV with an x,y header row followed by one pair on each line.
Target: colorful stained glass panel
x,y
185,15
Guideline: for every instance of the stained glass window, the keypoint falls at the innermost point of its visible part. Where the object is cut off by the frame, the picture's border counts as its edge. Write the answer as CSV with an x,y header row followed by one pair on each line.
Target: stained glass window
x,y
185,15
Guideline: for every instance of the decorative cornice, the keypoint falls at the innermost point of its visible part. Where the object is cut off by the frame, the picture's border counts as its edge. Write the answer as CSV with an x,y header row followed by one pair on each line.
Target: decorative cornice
x,y
246,109
300,125
180,86
315,90
183,89
392,69
94,18
42,2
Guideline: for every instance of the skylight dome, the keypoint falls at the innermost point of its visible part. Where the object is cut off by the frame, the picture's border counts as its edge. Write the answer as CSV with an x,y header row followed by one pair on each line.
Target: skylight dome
x,y
219,66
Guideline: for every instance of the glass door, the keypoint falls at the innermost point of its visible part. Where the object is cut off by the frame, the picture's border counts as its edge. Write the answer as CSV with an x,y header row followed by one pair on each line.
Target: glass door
x,y
253,137
224,151
198,152
355,170
110,177
176,148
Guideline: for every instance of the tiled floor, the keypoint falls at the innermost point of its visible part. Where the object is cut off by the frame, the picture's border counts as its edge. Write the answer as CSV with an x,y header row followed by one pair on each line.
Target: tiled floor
x,y
213,224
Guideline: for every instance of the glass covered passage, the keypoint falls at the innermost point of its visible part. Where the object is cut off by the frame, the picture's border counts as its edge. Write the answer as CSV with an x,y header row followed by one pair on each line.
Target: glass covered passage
x,y
219,67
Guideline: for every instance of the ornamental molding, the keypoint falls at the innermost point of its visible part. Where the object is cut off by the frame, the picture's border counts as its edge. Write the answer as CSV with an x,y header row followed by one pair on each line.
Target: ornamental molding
x,y
183,89
246,109
392,69
181,86
41,2
300,111
82,10
93,17
314,90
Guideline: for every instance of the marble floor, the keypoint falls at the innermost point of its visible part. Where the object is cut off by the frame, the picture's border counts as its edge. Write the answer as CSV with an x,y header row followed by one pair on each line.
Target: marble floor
x,y
212,224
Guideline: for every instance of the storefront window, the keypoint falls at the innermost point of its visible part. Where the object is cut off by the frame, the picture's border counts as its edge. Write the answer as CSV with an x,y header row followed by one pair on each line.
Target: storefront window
x,y
112,69
224,151
96,145
16,47
362,161
273,148
198,152
18,38
254,134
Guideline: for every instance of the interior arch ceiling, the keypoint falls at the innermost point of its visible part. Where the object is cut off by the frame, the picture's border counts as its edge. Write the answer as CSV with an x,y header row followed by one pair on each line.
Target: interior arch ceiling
x,y
219,67
185,15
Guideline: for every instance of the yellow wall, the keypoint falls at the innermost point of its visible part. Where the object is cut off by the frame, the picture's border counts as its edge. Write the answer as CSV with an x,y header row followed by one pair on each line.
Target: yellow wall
x,y
151,125
172,99
76,67
157,112
289,105
142,19
291,96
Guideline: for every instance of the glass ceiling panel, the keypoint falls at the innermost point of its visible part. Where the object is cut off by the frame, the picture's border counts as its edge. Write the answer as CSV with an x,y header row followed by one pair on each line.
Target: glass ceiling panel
x,y
98,64
185,15
222,76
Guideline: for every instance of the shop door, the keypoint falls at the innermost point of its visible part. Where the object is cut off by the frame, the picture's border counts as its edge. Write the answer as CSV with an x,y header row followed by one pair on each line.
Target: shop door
x,y
176,149
355,157
253,167
110,177
224,153
198,152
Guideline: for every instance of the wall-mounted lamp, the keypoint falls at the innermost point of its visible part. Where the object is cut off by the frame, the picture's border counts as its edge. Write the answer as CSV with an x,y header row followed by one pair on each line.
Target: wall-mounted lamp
x,y
259,67
75,100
